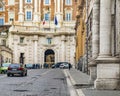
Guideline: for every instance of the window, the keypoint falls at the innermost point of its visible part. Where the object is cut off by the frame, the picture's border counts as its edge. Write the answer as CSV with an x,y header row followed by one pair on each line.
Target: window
x,y
21,39
28,1
68,2
47,16
47,2
49,40
1,9
11,16
68,16
4,42
11,2
1,21
28,15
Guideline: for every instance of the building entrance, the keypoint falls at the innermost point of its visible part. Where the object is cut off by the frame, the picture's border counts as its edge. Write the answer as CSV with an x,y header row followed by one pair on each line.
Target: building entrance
x,y
49,58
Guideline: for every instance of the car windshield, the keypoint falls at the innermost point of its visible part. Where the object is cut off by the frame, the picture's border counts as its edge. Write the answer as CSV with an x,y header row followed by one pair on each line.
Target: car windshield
x,y
5,65
14,65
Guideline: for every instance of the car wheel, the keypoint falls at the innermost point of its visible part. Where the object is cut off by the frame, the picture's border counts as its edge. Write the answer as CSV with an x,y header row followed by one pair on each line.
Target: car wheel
x,y
2,72
26,74
22,74
12,74
8,75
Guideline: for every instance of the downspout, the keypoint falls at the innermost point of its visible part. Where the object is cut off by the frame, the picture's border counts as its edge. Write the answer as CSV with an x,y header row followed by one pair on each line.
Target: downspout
x,y
87,35
115,28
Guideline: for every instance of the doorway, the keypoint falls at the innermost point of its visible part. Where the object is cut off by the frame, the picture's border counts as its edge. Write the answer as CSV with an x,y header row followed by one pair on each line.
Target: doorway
x,y
49,57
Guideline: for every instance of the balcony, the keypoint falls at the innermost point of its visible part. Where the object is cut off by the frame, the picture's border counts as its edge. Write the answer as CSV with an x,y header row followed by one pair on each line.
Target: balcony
x,y
33,30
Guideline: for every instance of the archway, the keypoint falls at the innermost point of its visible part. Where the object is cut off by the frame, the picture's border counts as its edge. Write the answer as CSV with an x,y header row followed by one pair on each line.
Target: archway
x,y
49,57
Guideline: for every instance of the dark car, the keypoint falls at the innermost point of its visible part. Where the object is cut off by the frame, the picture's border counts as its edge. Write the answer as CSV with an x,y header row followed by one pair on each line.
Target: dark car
x,y
16,69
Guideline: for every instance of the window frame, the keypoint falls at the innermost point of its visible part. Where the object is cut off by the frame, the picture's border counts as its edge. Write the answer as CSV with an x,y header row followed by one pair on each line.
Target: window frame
x,y
47,3
3,20
27,17
47,17
13,3
66,2
68,16
2,9
26,1
49,40
22,40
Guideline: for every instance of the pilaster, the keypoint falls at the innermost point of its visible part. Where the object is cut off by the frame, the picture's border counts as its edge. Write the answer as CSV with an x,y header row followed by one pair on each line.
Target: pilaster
x,y
107,66
35,40
21,14
36,14
95,40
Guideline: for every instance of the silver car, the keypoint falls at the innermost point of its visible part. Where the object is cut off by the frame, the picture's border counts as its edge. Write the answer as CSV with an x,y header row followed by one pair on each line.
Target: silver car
x,y
64,65
16,69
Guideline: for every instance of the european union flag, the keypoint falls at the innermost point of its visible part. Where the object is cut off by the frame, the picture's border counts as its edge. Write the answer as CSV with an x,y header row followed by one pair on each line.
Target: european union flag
x,y
56,22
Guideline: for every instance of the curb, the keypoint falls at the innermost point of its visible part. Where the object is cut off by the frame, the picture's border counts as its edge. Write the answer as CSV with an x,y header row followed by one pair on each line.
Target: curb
x,y
78,91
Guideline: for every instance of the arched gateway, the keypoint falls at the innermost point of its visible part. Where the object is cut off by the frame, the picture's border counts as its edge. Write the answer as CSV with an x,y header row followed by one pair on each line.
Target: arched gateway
x,y
49,57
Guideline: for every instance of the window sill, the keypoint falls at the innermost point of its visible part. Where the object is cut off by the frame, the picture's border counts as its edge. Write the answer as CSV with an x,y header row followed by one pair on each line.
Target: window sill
x,y
22,44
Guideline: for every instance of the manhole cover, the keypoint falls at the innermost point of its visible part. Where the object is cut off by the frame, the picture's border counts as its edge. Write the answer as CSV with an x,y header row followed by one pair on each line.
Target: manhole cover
x,y
82,86
46,90
59,78
53,88
20,90
38,75
31,95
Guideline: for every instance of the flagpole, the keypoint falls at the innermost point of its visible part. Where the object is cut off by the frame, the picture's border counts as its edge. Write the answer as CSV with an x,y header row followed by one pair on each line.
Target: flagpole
x,y
56,22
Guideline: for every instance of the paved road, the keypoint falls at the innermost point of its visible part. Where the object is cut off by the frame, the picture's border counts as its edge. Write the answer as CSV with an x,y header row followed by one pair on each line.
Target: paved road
x,y
39,82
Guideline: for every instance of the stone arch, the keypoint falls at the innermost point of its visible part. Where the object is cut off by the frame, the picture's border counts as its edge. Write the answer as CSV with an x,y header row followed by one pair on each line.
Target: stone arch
x,y
49,57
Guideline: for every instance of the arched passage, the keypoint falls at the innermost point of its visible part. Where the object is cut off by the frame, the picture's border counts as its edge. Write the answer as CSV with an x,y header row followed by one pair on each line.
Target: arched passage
x,y
49,57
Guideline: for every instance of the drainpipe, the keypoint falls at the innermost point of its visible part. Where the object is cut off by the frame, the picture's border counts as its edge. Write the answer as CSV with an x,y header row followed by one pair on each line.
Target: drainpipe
x,y
87,35
115,28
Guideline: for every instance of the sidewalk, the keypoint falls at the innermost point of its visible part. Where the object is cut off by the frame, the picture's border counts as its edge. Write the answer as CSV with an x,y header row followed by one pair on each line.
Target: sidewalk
x,y
80,82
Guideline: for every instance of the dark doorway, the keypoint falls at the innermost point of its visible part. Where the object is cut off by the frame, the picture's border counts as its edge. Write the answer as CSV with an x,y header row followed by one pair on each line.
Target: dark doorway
x,y
49,57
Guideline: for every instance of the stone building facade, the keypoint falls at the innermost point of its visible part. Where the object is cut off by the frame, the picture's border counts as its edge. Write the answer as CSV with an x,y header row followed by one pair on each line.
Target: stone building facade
x,y
35,36
6,54
80,28
102,41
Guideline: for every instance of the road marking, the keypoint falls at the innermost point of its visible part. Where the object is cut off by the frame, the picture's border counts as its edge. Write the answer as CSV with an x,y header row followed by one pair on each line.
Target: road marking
x,y
44,73
71,82
2,76
71,89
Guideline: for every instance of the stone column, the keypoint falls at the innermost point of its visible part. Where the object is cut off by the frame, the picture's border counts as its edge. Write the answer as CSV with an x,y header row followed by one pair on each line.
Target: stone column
x,y
108,67
95,40
35,49
20,14
63,48
58,12
36,15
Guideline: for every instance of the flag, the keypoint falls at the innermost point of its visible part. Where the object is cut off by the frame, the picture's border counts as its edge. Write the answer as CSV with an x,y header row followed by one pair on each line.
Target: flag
x,y
43,21
56,22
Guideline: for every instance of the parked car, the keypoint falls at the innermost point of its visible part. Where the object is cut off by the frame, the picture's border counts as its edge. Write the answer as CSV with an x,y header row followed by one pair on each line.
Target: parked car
x,y
29,66
16,69
58,64
4,67
64,65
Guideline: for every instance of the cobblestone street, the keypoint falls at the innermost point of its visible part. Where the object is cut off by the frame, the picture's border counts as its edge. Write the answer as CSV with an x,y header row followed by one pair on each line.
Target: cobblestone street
x,y
43,82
